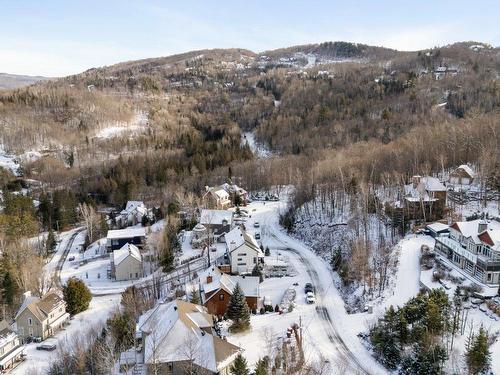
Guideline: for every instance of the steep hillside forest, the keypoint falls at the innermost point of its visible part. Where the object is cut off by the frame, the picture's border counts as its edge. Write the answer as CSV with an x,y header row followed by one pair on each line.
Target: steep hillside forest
x,y
337,117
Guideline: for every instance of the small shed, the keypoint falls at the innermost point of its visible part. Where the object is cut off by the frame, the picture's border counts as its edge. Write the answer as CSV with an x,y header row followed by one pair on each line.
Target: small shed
x,y
437,229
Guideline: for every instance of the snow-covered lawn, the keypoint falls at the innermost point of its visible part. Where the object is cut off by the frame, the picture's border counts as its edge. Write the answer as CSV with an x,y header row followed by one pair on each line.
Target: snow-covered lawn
x,y
139,124
99,310
407,283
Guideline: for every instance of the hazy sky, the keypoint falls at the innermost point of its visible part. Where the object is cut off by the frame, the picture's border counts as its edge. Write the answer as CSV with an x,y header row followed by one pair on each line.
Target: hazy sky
x,y
61,37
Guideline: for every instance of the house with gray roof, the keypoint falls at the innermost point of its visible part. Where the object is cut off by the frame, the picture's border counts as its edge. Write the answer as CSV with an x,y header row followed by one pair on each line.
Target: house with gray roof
x,y
41,317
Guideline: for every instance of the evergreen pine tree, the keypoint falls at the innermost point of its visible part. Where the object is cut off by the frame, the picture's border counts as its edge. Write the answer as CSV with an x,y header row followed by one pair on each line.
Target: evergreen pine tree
x,y
77,296
258,272
268,252
50,243
195,297
240,366
478,354
336,257
238,310
261,366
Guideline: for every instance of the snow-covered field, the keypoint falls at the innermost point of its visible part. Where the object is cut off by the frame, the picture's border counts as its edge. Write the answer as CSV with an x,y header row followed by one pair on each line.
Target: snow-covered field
x,y
138,125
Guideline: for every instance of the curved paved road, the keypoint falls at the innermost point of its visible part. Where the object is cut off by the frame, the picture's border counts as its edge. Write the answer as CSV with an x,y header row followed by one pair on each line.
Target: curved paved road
x,y
357,364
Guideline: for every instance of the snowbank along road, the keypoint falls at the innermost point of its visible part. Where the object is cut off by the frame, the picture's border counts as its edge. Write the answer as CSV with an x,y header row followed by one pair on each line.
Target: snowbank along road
x,y
345,346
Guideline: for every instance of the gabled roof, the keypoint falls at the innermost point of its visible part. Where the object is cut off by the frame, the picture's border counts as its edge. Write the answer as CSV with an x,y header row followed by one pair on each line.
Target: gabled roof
x,y
127,250
177,331
466,169
420,192
40,307
238,237
248,284
132,205
470,229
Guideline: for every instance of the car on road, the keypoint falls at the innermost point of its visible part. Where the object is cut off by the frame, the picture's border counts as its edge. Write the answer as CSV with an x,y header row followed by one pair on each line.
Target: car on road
x,y
308,288
47,347
310,298
257,236
256,224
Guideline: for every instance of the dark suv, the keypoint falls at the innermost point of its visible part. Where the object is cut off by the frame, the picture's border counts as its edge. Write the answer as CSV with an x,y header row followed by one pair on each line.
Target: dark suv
x,y
308,288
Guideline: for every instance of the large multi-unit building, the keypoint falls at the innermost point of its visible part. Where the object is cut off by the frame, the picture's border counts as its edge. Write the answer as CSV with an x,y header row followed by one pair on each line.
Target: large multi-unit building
x,y
474,247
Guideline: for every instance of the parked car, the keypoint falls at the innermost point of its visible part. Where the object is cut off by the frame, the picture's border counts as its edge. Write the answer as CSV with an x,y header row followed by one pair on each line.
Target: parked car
x,y
310,297
47,347
257,236
256,224
71,258
308,288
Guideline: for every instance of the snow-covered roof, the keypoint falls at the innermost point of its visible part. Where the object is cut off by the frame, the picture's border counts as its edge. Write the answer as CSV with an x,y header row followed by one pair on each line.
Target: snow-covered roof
x,y
470,229
425,185
124,252
41,307
215,217
432,184
199,228
438,227
180,331
467,169
248,284
6,334
131,205
126,233
237,237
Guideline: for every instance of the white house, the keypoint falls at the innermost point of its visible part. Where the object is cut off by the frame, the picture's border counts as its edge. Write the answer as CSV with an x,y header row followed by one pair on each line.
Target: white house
x,y
242,251
126,263
133,213
473,247
11,348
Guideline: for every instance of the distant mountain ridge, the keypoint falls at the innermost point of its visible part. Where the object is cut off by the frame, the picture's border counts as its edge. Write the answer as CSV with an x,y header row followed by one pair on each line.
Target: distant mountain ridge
x,y
13,81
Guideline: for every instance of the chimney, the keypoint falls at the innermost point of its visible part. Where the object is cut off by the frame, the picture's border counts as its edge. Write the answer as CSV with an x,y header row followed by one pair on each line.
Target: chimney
x,y
482,226
415,180
209,279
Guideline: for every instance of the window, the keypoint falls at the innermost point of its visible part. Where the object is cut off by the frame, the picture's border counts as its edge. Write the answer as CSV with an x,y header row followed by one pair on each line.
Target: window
x,y
242,264
130,275
254,260
242,254
240,259
30,322
136,275
221,297
488,276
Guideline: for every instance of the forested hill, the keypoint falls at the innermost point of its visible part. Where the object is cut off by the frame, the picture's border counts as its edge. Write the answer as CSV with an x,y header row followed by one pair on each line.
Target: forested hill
x,y
326,110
